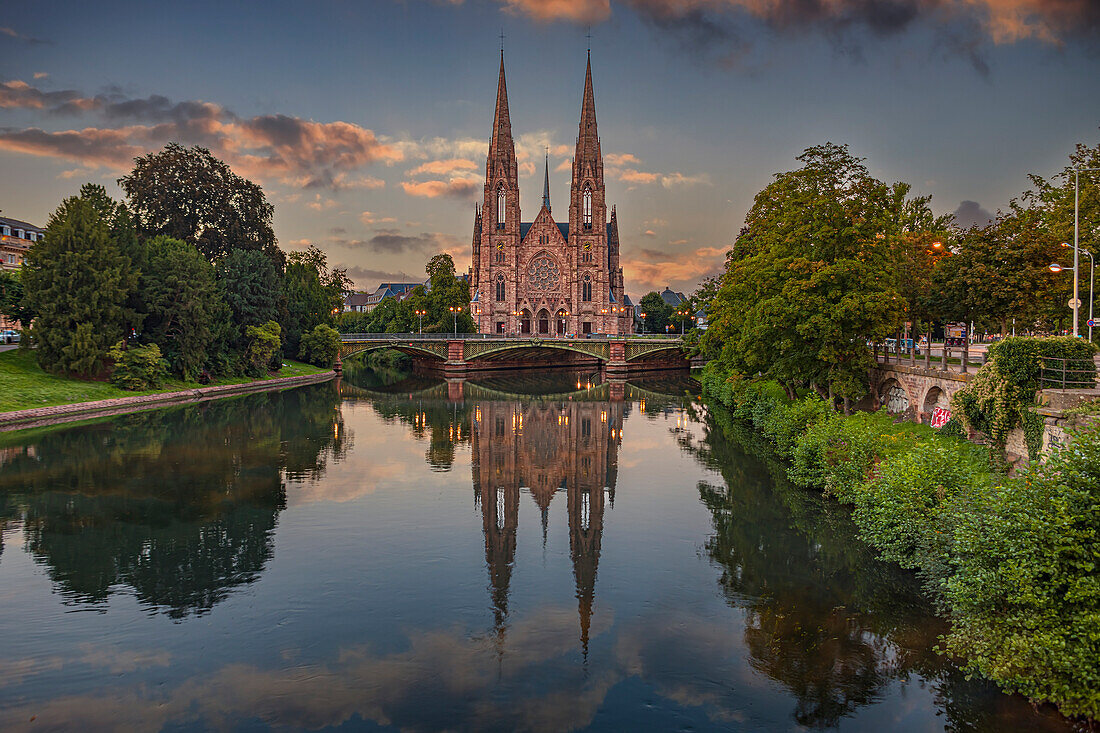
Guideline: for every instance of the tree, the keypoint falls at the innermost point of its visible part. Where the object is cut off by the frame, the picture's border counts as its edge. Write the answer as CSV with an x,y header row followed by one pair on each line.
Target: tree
x,y
263,344
999,272
12,302
188,194
658,313
77,283
814,274
250,286
182,299
320,346
314,294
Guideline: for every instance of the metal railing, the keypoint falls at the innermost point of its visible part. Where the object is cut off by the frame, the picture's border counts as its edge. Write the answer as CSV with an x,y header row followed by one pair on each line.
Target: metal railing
x,y
1056,372
444,335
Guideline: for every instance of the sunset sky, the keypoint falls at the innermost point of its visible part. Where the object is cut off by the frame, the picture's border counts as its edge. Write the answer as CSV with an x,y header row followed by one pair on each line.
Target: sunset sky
x,y
367,123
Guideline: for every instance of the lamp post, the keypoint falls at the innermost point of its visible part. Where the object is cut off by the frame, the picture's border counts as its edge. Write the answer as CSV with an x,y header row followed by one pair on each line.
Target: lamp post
x,y
1055,267
1077,238
643,323
421,314
455,310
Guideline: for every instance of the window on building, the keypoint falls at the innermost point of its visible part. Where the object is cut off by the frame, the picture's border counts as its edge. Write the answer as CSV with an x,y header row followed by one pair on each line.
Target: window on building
x,y
501,208
19,233
586,258
500,257
587,207
500,288
7,231
586,289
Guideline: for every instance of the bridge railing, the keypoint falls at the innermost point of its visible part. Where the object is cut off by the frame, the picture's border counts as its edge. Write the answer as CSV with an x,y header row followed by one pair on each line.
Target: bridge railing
x,y
497,336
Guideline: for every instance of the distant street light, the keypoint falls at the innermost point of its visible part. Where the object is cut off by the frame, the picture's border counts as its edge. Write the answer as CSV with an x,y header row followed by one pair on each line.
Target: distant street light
x,y
455,310
643,322
421,314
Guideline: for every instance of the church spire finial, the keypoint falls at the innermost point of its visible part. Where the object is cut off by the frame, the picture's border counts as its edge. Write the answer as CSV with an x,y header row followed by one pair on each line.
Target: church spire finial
x,y
546,183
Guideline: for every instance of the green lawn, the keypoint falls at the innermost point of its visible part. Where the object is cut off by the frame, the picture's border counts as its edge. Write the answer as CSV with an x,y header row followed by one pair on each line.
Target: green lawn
x,y
24,385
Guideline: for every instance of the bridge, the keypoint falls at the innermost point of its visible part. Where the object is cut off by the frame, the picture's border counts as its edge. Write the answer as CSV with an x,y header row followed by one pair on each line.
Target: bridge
x,y
459,354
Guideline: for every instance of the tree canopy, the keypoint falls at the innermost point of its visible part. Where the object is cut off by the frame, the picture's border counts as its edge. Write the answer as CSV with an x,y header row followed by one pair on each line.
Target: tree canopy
x,y
188,194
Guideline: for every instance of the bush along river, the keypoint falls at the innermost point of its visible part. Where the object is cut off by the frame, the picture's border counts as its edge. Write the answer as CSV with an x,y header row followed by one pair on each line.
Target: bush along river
x,y
542,552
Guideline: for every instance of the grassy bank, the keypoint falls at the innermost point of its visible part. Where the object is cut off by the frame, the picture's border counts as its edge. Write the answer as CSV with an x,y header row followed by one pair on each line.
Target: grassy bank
x,y
1012,561
24,385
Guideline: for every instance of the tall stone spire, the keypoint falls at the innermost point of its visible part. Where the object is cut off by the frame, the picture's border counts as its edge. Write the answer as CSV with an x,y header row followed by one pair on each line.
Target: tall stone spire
x,y
588,160
502,149
546,183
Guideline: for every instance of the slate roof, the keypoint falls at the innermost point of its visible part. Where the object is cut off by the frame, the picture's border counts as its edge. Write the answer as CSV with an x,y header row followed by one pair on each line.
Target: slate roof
x,y
525,227
18,224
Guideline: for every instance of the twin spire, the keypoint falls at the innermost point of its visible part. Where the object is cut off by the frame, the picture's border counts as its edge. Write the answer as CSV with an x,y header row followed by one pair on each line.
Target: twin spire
x,y
502,150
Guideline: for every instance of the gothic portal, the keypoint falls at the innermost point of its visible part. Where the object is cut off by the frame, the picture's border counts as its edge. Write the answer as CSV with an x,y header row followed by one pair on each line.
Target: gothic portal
x,y
541,277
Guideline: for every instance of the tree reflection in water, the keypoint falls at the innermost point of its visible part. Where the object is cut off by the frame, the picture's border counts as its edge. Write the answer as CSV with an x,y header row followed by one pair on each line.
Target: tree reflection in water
x,y
824,617
177,505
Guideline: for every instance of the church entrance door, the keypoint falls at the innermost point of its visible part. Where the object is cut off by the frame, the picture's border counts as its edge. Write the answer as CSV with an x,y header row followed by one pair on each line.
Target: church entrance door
x,y
525,322
544,322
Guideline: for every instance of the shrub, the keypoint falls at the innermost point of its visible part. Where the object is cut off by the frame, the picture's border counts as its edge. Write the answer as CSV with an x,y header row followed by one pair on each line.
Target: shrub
x,y
263,342
320,346
787,423
835,454
1019,359
137,367
907,508
1025,601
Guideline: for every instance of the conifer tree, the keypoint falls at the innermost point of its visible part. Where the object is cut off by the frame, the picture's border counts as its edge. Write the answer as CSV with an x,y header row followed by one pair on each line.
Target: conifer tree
x,y
77,283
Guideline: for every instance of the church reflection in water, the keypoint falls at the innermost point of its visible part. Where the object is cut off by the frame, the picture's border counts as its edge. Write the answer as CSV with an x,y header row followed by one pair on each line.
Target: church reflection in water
x,y
545,449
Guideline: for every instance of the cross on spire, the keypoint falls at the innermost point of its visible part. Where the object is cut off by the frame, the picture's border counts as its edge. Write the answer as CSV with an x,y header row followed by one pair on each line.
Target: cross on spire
x,y
502,40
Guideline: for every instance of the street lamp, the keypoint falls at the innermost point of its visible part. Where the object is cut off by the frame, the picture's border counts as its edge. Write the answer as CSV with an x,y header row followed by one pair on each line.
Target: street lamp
x,y
1077,239
421,314
1055,267
643,321
455,310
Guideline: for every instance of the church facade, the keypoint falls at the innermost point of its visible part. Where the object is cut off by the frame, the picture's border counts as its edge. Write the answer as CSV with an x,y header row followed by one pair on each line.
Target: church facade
x,y
543,277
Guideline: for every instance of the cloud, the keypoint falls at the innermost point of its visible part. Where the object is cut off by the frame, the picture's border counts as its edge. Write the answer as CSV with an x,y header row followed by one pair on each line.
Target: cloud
x,y
320,204
615,165
392,241
649,233
41,74
652,269
581,12
726,30
971,214
294,151
364,277
444,167
455,188
30,40
368,218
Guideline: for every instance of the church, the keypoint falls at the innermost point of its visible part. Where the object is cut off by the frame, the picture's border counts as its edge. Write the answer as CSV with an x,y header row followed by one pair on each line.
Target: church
x,y
541,277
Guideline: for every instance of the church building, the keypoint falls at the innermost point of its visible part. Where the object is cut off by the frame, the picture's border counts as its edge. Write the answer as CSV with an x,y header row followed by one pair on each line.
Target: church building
x,y
541,277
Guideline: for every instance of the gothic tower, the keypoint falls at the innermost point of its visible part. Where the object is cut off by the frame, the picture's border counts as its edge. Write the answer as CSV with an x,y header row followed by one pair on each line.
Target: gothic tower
x,y
541,277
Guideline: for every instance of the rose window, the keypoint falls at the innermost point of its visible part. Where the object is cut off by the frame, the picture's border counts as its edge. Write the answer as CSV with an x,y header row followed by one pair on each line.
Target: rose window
x,y
543,274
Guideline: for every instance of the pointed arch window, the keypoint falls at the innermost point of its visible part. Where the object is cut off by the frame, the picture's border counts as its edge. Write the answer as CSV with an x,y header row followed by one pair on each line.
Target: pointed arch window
x,y
586,289
500,288
501,207
586,210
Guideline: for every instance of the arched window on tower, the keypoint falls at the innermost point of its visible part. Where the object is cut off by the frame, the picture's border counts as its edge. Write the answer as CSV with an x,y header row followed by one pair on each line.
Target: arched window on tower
x,y
586,289
501,209
587,207
500,288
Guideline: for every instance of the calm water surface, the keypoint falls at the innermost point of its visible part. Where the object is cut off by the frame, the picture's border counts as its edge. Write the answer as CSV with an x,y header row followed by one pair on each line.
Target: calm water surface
x,y
516,553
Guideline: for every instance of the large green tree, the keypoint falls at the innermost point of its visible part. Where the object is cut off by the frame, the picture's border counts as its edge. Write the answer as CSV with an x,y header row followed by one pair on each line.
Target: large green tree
x,y
814,274
1000,272
12,302
658,313
77,283
182,304
188,194
313,293
251,287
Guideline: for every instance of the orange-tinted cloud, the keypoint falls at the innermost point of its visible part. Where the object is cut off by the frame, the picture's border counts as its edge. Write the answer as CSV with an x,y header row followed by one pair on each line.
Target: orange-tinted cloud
x,y
289,149
651,269
455,188
582,12
444,167
1001,21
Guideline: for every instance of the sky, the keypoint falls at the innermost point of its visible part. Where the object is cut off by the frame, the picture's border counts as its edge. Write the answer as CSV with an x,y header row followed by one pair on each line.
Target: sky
x,y
367,123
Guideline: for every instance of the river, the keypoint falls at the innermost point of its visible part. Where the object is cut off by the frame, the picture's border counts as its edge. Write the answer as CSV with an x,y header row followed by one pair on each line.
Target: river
x,y
525,552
